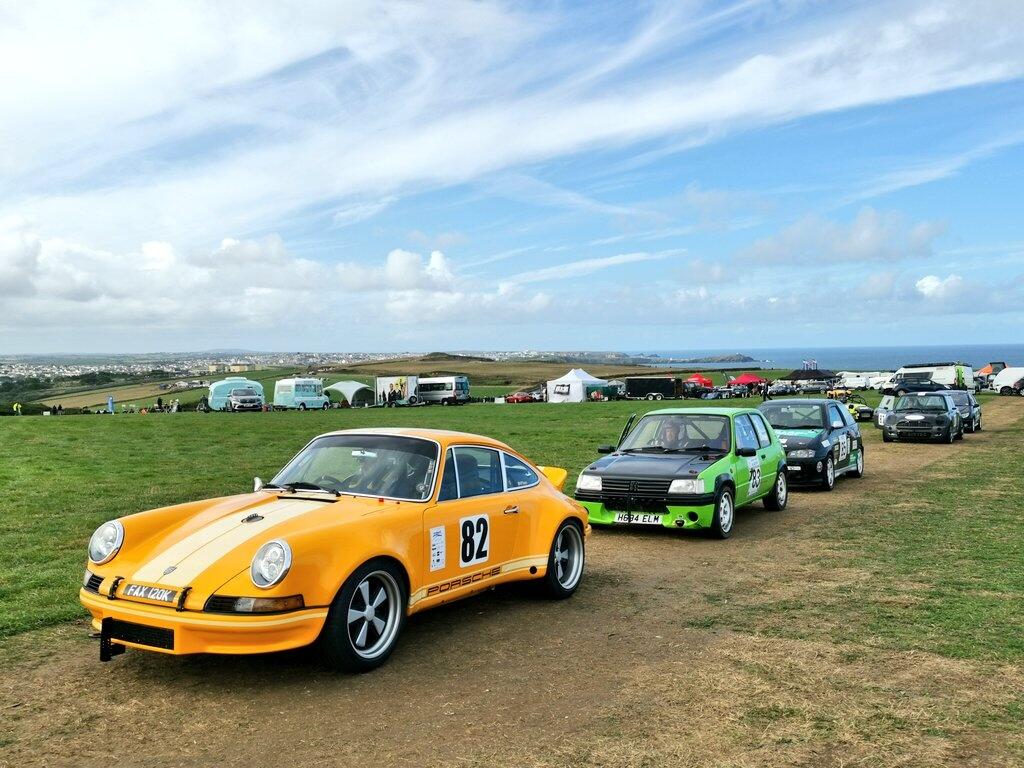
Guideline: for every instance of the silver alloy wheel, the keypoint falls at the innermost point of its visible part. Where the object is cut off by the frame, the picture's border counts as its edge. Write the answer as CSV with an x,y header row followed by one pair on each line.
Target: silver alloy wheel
x,y
374,614
781,489
725,512
830,473
860,462
568,552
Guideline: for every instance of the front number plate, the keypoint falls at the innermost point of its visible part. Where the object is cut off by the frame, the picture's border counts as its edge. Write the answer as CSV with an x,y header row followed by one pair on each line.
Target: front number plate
x,y
146,592
642,518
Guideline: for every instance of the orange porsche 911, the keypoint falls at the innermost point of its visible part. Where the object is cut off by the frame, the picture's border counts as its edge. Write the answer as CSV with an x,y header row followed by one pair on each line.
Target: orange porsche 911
x,y
361,529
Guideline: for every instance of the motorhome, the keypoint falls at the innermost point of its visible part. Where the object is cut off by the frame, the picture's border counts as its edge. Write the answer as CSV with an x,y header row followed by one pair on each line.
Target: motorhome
x,y
446,390
300,393
1003,381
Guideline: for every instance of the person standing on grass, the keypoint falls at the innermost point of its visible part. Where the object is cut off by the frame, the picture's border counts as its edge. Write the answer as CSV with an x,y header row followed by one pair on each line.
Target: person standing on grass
x,y
17,409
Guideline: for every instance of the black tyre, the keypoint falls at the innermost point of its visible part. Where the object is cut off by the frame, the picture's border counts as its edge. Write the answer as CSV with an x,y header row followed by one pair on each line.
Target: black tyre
x,y
302,406
650,395
725,512
885,437
565,561
977,425
365,618
950,435
776,500
858,470
325,406
1006,390
828,477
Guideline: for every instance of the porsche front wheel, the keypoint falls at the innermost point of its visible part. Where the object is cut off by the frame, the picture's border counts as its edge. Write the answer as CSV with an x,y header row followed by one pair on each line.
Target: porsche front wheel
x,y
365,619
565,561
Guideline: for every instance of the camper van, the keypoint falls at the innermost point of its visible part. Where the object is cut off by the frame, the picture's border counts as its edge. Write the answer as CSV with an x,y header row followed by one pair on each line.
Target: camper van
x,y
1003,381
303,394
235,393
949,375
446,390
391,391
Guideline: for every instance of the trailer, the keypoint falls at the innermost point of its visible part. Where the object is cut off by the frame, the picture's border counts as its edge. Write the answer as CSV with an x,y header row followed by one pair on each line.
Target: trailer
x,y
653,388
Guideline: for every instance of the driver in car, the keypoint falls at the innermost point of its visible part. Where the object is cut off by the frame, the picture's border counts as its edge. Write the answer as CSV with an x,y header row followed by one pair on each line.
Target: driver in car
x,y
670,436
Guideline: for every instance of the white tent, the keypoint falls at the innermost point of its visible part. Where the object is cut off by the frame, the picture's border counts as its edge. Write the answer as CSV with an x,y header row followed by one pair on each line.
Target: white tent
x,y
356,394
572,388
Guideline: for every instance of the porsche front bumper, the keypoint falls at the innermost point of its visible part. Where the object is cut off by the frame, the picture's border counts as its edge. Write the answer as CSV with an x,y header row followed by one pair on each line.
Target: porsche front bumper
x,y
166,630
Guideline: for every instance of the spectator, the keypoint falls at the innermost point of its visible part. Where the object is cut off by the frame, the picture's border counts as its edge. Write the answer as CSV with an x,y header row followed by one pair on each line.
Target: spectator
x,y
17,409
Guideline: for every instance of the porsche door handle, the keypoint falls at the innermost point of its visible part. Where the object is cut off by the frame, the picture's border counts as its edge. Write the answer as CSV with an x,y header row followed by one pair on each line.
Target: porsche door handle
x,y
513,510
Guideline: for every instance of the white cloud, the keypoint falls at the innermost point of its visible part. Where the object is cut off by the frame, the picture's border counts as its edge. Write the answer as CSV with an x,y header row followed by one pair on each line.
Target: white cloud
x,y
401,271
353,214
19,256
935,288
584,267
871,236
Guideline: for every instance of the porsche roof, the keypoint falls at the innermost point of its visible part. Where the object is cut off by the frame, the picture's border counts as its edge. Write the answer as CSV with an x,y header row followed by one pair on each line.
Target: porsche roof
x,y
443,436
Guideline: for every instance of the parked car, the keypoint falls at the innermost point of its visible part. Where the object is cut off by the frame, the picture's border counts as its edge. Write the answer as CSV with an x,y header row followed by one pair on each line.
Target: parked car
x,y
858,408
686,468
813,387
924,416
520,397
821,439
247,394
884,406
782,388
1006,380
969,407
358,531
446,390
301,394
901,386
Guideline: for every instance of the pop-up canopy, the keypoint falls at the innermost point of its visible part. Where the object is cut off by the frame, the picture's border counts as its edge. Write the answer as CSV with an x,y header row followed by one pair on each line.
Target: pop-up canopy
x,y
748,378
354,393
698,378
574,387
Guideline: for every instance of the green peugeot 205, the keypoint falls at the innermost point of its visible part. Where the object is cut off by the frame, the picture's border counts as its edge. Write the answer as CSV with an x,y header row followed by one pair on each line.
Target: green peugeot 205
x,y
686,468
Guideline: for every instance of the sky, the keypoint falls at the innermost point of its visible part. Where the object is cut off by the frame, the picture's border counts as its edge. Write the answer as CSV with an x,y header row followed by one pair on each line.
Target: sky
x,y
454,175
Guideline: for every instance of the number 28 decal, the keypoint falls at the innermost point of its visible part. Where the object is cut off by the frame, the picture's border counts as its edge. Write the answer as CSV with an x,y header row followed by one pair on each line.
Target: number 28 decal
x,y
475,532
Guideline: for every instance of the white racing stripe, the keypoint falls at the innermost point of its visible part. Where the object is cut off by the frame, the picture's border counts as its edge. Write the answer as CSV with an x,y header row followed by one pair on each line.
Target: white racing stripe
x,y
202,549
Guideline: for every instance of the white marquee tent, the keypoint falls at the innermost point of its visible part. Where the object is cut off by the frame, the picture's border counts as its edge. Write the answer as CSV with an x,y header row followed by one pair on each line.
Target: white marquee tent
x,y
357,395
573,387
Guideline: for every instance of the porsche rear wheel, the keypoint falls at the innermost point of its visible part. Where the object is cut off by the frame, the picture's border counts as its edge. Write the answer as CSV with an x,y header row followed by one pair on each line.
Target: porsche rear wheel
x,y
366,618
565,561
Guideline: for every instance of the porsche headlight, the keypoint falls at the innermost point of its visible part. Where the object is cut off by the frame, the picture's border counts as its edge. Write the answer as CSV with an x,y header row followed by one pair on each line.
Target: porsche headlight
x,y
271,563
588,482
105,543
686,486
801,453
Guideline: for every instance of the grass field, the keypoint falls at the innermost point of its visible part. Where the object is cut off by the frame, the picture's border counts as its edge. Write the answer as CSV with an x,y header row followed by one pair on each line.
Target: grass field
x,y
876,625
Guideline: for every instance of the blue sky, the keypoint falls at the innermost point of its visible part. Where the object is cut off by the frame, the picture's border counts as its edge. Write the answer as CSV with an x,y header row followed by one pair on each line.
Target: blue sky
x,y
488,175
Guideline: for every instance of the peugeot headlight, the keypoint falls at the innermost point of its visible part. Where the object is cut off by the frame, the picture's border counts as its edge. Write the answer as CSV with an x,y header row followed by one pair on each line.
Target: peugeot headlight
x,y
588,482
105,543
271,563
686,486
801,453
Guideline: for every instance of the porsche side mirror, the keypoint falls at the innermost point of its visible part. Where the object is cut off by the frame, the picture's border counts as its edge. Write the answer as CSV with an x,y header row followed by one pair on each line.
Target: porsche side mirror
x,y
605,448
257,485
746,451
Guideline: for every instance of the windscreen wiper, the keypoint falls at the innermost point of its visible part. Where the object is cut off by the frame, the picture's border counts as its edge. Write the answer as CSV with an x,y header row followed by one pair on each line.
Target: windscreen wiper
x,y
302,485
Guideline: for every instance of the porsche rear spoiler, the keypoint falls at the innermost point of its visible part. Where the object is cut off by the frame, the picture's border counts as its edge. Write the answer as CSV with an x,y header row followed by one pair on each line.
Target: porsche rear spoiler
x,y
556,475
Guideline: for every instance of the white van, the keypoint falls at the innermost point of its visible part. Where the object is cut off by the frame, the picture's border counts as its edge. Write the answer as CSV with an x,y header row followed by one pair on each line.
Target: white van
x,y
1003,381
446,390
952,375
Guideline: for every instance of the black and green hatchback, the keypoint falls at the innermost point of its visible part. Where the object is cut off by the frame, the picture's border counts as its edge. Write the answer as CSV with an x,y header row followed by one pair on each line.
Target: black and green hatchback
x,y
686,468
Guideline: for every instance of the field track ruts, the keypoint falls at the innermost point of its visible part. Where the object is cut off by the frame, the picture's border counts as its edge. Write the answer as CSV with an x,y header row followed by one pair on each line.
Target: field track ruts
x,y
619,675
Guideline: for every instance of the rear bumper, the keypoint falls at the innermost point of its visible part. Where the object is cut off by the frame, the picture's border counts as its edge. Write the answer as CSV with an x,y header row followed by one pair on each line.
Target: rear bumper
x,y
199,632
669,515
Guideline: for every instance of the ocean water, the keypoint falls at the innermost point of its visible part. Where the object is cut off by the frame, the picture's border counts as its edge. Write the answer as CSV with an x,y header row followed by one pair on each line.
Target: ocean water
x,y
858,358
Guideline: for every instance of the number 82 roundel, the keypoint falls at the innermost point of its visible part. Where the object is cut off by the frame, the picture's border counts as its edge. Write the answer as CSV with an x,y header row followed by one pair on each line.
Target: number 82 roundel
x,y
474,535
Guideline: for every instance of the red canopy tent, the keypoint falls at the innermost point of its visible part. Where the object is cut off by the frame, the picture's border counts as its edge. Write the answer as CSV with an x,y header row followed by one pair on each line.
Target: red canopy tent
x,y
704,381
748,378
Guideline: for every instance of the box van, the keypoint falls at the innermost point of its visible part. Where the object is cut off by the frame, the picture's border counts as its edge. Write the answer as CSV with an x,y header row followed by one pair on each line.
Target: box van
x,y
235,393
304,394
446,390
951,375
1003,381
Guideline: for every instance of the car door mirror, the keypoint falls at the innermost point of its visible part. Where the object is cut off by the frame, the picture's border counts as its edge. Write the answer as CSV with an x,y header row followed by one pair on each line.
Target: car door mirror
x,y
837,425
605,448
746,451
257,485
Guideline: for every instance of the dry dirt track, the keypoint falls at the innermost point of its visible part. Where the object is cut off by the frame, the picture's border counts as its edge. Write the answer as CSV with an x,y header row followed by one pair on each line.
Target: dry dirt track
x,y
622,674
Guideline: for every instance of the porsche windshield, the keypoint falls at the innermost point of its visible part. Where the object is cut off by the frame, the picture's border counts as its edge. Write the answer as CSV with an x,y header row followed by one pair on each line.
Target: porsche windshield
x,y
388,466
671,432
794,415
921,403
